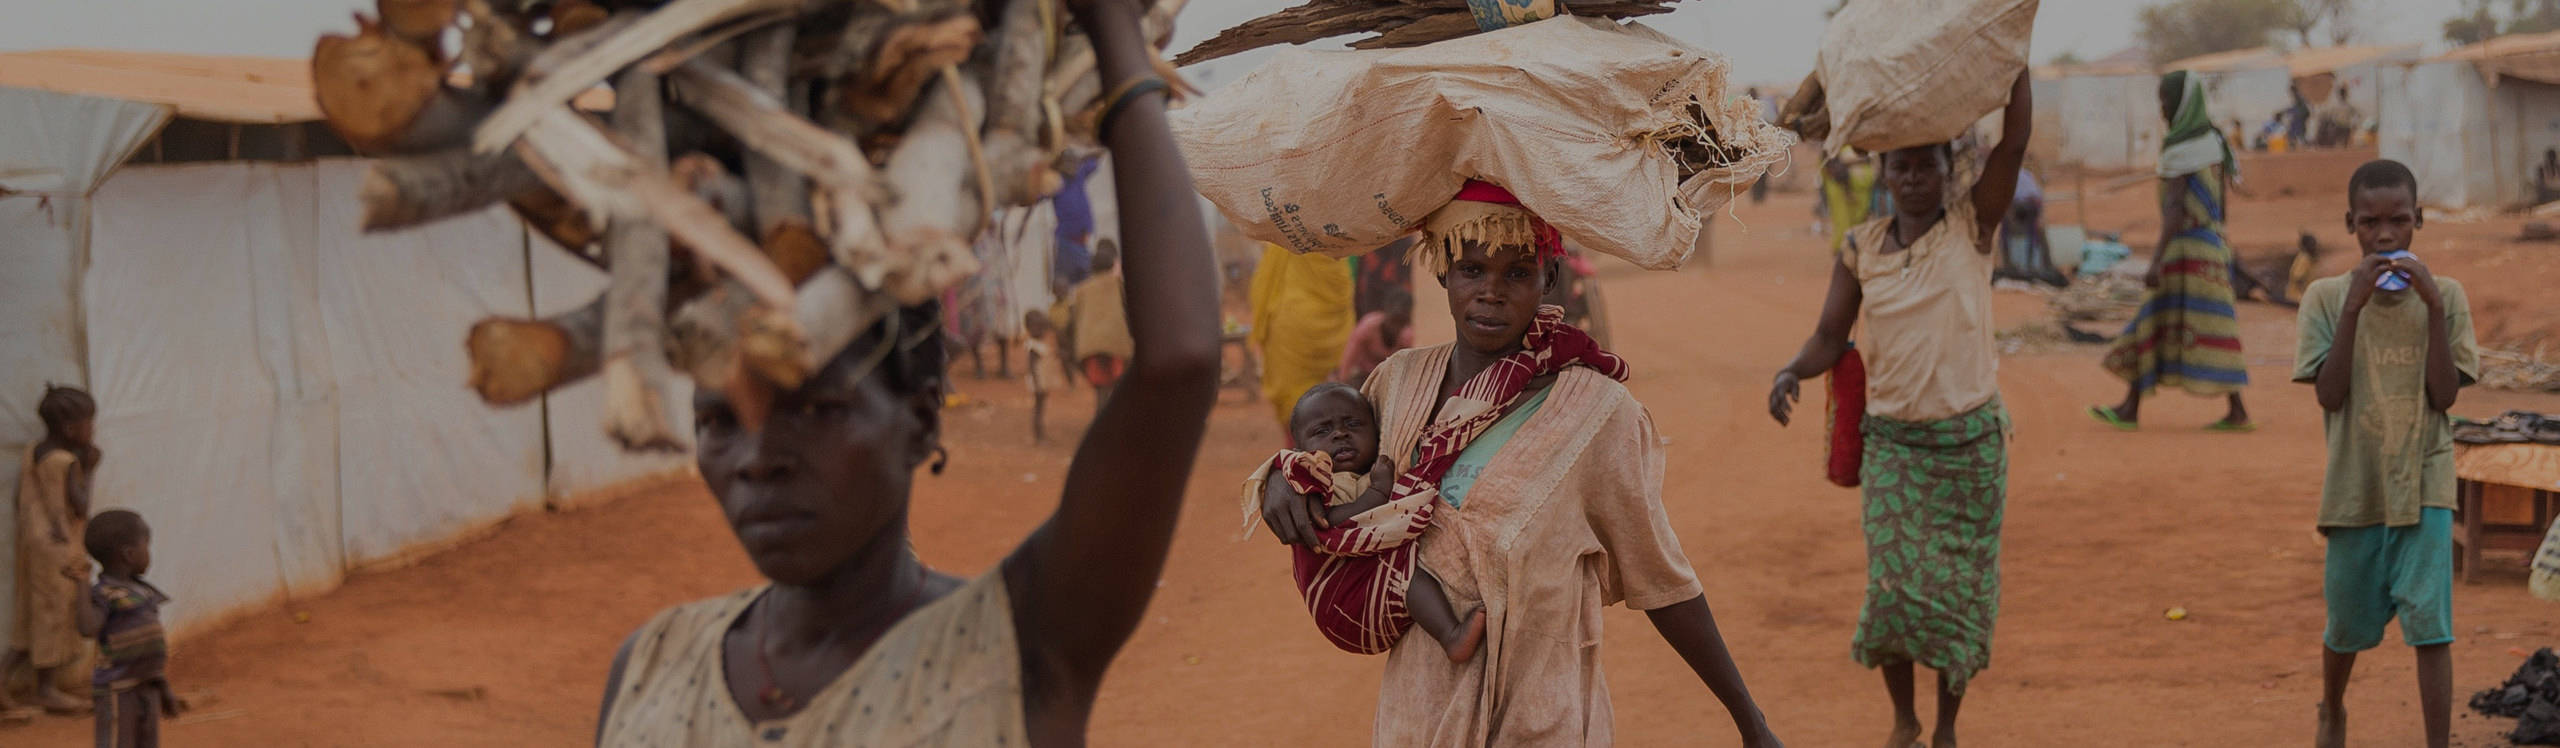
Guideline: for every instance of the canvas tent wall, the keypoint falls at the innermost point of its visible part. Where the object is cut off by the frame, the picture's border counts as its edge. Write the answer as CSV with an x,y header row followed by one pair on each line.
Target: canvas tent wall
x,y
2101,121
281,394
2356,70
2248,86
2475,122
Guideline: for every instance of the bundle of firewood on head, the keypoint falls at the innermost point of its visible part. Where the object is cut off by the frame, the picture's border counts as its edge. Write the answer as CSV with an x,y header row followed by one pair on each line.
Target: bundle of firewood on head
x,y
1400,23
822,163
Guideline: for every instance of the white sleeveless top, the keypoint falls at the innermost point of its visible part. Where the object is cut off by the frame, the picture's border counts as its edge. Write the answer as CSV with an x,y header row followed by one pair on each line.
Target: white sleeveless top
x,y
949,674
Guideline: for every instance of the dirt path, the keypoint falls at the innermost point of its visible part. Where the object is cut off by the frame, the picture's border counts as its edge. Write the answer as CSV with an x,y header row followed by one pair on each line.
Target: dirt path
x,y
504,641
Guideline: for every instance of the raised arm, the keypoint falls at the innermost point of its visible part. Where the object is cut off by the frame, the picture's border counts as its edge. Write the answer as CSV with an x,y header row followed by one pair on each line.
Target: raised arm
x,y
1830,341
1999,182
1081,582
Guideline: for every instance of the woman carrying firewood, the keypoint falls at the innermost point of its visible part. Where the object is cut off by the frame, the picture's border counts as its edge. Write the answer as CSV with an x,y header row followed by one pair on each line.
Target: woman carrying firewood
x,y
854,641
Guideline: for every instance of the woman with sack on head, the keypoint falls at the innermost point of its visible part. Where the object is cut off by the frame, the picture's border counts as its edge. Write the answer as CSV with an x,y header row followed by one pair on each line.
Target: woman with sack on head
x,y
1935,466
1550,504
2187,334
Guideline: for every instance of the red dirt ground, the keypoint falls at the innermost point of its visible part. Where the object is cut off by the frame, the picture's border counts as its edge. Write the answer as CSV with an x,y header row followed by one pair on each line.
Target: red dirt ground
x,y
504,641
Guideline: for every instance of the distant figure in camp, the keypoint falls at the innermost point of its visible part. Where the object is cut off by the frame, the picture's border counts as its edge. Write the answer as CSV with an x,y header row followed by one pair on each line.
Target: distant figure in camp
x,y
2305,268
1378,335
1380,276
1036,353
1092,315
2277,280
2546,178
1301,319
2297,118
2186,335
2024,255
2338,120
2281,281
1850,194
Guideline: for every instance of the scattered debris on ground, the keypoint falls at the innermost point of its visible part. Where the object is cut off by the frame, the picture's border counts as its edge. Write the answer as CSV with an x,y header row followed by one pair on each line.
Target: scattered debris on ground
x,y
2513,369
2532,696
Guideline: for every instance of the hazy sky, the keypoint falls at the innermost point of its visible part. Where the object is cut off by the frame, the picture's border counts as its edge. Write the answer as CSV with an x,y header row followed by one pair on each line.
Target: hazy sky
x,y
1769,41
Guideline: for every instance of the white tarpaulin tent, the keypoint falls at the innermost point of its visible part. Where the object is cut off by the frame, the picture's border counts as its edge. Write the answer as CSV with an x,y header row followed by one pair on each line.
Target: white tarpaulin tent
x,y
2108,122
281,395
2474,123
58,149
2445,132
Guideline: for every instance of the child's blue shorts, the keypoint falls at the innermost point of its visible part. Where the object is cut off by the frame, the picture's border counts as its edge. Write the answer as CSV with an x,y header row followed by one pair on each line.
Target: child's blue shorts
x,y
2378,572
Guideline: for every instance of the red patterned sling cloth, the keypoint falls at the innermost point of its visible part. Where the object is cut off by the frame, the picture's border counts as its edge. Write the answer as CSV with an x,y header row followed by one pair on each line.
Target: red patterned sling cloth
x,y
1354,583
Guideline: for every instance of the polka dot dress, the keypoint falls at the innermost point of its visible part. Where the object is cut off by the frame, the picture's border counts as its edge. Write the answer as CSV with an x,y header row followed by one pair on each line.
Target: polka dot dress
x,y
948,675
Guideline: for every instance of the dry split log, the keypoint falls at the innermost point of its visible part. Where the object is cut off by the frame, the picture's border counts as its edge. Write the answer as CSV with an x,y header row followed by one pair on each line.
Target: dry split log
x,y
635,363
552,87
514,360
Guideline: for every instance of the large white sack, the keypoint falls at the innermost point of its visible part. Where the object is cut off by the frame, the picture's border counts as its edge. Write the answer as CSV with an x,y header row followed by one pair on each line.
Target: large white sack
x,y
1902,73
1341,152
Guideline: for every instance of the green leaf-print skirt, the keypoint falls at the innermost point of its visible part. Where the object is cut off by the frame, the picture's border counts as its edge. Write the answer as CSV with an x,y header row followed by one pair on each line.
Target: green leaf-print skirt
x,y
1934,493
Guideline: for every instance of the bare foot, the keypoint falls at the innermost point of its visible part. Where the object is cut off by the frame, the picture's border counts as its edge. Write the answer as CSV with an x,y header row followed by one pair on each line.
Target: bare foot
x,y
1905,735
2333,728
58,702
1463,642
1943,740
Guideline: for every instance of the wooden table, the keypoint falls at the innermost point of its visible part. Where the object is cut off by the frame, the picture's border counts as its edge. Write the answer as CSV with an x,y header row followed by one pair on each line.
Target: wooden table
x,y
2509,494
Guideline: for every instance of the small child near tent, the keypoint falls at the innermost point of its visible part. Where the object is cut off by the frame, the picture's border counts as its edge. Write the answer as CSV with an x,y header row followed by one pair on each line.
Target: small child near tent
x,y
122,614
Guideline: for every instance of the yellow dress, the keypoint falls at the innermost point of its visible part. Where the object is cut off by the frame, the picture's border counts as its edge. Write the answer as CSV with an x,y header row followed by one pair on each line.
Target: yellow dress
x,y
46,597
1301,320
949,674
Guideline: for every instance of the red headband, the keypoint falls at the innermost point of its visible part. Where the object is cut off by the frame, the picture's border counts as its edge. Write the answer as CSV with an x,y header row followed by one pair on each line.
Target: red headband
x,y
1550,242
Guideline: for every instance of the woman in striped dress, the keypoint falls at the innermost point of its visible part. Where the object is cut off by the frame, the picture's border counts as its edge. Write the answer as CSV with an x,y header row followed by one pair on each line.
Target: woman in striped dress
x,y
2186,335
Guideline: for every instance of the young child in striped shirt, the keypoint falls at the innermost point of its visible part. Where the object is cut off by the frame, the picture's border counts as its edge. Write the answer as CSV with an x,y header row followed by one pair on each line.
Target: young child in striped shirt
x,y
131,687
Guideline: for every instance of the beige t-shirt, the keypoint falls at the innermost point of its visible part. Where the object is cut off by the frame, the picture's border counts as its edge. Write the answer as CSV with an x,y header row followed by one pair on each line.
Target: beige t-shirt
x,y
1927,314
2389,454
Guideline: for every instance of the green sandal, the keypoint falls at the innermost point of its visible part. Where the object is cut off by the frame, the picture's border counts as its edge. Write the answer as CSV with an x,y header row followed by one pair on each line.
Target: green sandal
x,y
2226,426
2107,415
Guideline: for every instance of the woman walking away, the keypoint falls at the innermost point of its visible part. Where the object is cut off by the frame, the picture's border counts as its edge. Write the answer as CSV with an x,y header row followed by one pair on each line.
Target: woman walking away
x,y
53,571
1935,467
1550,504
2186,335
854,641
1301,321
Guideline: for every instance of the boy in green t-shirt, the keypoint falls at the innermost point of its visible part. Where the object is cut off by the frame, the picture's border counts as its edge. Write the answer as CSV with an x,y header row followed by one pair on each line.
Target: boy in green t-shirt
x,y
2387,347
